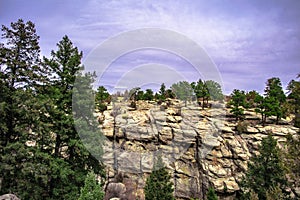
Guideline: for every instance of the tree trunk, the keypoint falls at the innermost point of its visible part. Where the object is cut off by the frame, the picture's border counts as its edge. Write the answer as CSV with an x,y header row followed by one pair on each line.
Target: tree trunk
x,y
57,145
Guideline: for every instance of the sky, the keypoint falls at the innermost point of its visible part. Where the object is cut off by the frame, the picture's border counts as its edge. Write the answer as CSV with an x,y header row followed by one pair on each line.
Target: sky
x,y
244,42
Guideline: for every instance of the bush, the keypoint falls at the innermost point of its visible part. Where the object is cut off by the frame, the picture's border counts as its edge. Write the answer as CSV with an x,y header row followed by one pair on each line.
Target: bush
x,y
211,195
242,126
91,190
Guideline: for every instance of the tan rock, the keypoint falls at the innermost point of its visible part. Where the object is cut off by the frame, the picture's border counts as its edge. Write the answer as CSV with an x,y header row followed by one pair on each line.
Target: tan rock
x,y
231,185
165,134
218,170
226,153
251,129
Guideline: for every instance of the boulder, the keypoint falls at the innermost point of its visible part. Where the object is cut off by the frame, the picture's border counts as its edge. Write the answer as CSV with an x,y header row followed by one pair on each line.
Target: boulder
x,y
9,197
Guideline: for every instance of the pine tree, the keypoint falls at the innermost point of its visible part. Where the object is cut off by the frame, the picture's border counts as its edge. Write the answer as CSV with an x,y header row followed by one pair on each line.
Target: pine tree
x,y
71,105
294,99
91,190
201,91
162,92
265,170
101,97
238,101
211,195
148,95
266,106
24,167
275,92
41,154
158,185
292,161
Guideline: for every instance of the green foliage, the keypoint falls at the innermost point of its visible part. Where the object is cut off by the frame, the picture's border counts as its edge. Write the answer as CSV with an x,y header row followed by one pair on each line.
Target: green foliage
x,y
182,91
242,126
265,170
273,101
148,95
206,90
162,92
201,91
102,97
158,184
250,98
275,193
266,106
292,159
91,190
238,103
170,94
140,95
294,100
214,90
42,156
275,93
211,195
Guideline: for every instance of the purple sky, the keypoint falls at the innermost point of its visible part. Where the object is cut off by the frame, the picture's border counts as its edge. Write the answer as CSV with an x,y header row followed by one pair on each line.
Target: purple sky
x,y
249,41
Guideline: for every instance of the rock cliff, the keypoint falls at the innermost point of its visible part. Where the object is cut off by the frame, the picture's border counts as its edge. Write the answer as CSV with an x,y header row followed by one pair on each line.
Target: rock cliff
x,y
200,148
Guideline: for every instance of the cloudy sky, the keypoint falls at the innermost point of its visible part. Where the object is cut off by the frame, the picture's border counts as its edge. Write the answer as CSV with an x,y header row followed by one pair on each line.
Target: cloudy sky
x,y
244,42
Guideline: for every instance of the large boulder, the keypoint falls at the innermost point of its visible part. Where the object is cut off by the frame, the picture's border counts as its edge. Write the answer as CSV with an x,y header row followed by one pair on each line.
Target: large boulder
x,y
9,197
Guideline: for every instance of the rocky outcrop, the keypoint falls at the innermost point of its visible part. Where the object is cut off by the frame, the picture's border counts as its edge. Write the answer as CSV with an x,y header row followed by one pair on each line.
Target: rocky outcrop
x,y
200,148
9,197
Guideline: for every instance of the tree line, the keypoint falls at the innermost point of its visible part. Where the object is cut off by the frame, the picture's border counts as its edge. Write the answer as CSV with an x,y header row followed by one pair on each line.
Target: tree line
x,y
201,91
274,102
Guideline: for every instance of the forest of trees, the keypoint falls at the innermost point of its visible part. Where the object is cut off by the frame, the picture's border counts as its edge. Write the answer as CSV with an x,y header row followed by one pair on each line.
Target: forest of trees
x,y
43,157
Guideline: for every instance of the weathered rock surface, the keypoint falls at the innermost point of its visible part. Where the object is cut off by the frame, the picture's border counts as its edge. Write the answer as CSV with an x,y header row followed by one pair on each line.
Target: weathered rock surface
x,y
9,197
200,148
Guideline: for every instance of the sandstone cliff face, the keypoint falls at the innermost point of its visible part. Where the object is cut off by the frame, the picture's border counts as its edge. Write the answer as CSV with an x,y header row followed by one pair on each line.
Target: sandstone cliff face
x,y
200,148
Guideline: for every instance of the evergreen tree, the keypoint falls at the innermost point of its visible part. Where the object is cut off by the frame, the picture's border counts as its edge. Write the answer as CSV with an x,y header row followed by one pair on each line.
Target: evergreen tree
x,y
294,99
266,170
140,95
266,106
65,64
162,92
250,98
201,91
275,92
238,103
41,154
101,97
158,185
170,94
24,167
91,190
292,161
211,195
148,95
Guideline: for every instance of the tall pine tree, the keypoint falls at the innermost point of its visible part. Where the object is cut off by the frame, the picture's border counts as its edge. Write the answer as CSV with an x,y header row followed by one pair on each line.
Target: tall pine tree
x,y
24,164
65,65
